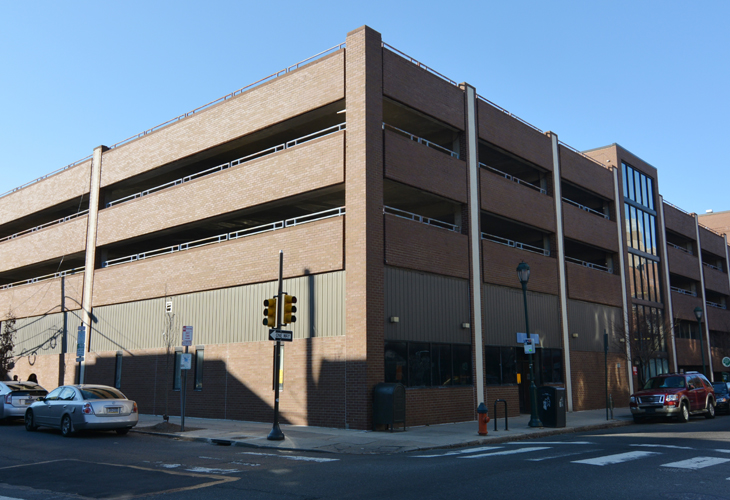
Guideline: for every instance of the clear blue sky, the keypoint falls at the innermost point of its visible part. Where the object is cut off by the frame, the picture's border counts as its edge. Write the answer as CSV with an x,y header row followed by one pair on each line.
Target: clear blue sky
x,y
652,76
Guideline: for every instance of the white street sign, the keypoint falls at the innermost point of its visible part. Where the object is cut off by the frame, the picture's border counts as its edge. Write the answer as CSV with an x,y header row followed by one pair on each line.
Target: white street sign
x,y
529,347
186,361
283,335
187,336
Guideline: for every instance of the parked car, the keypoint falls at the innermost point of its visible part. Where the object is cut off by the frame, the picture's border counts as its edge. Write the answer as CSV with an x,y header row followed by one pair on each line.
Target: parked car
x,y
674,395
73,408
17,396
722,396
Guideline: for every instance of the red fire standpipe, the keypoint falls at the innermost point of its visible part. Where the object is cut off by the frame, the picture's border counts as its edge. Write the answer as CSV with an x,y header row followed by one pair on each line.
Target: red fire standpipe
x,y
483,418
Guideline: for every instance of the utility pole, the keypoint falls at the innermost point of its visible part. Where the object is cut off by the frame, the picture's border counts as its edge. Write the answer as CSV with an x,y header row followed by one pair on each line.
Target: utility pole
x,y
276,434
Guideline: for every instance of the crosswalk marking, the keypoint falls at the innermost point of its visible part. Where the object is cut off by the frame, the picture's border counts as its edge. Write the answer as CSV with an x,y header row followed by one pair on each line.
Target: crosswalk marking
x,y
508,452
663,446
616,459
561,455
554,442
290,457
697,463
461,452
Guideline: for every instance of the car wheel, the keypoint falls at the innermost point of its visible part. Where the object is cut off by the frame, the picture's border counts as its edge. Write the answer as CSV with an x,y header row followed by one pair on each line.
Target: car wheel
x,y
67,427
710,413
123,431
684,413
638,419
30,421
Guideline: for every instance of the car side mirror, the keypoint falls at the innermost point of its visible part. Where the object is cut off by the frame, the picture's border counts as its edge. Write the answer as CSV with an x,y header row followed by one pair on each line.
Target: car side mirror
x,y
691,386
42,398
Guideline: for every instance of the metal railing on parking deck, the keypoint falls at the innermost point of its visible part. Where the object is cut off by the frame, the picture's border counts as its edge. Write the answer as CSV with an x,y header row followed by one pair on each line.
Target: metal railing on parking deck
x,y
513,178
590,265
683,249
419,218
45,277
421,140
583,207
419,64
715,305
683,291
711,266
254,156
515,244
77,162
242,233
43,226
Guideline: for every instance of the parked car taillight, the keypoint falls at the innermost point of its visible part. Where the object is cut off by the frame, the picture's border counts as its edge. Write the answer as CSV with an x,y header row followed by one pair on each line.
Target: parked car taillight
x,y
88,409
8,398
134,407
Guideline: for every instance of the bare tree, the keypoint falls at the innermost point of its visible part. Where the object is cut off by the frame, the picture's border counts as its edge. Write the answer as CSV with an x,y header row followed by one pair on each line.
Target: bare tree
x,y
7,344
169,338
647,339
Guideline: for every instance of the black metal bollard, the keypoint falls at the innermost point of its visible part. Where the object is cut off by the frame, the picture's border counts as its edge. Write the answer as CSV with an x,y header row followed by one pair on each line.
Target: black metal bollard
x,y
506,420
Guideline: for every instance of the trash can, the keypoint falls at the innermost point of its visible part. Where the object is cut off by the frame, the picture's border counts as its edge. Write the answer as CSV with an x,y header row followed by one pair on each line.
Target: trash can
x,y
551,406
389,405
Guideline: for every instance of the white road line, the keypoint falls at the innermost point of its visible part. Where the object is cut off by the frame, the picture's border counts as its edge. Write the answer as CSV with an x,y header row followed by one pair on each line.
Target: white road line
x,y
663,446
508,452
723,451
461,452
616,459
10,498
562,455
206,470
290,457
697,463
553,442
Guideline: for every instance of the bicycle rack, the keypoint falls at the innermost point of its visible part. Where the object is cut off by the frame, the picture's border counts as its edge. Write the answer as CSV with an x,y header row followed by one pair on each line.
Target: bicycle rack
x,y
506,420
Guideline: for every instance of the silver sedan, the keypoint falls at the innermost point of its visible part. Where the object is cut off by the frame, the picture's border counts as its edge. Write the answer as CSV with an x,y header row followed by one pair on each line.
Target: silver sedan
x,y
16,397
73,408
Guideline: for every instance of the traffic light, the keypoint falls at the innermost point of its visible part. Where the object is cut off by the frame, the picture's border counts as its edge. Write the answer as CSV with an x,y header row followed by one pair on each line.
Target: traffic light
x,y
270,313
289,309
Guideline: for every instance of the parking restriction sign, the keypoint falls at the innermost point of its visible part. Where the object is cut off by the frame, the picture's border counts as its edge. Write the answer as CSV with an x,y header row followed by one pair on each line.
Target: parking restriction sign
x,y
187,336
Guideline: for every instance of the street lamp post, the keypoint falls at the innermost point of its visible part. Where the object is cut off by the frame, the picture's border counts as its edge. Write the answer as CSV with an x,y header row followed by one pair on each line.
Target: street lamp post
x,y
698,315
523,273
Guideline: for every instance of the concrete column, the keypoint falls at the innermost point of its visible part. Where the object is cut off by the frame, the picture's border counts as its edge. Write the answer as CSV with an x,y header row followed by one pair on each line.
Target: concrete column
x,y
708,357
560,244
364,232
90,261
475,239
667,285
624,293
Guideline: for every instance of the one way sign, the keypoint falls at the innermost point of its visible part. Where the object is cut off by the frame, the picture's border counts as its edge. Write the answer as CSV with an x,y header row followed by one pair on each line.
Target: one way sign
x,y
283,335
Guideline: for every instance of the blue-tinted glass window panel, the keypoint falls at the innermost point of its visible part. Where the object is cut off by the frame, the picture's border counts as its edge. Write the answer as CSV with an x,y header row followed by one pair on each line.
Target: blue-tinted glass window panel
x,y
637,187
630,181
644,197
651,192
626,181
647,235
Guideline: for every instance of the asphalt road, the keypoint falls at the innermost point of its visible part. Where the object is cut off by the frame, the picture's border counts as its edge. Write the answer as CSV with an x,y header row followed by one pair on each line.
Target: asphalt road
x,y
655,460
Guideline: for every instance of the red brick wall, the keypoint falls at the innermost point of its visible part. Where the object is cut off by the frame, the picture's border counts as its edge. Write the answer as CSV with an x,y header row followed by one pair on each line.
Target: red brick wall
x,y
41,298
688,350
511,394
684,306
589,380
439,405
302,90
718,319
312,165
64,186
414,164
414,245
679,222
46,244
580,225
500,262
720,221
715,280
712,242
509,199
593,286
502,130
315,247
416,87
683,263
585,173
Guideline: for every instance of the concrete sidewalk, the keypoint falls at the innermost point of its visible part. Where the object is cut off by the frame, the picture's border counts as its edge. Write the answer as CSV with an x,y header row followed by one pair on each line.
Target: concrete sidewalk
x,y
322,439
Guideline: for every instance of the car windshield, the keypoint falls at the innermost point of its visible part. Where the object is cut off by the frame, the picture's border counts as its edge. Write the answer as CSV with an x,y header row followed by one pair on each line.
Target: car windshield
x,y
665,383
101,393
720,387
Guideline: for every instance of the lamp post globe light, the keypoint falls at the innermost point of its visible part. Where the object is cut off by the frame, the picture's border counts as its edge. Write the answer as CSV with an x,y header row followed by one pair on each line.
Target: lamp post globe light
x,y
698,315
523,273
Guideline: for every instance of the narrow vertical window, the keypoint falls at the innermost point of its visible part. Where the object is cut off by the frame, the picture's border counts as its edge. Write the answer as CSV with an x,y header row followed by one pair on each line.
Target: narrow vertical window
x,y
118,371
199,354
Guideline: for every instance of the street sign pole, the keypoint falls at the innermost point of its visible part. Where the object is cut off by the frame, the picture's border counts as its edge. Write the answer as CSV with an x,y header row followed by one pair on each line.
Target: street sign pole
x,y
187,341
276,434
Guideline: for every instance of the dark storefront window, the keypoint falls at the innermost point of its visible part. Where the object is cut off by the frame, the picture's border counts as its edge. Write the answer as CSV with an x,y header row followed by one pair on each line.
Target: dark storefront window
x,y
421,364
500,365
552,366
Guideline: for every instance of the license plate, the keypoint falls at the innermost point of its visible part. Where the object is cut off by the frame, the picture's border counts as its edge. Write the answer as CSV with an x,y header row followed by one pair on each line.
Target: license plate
x,y
26,401
113,410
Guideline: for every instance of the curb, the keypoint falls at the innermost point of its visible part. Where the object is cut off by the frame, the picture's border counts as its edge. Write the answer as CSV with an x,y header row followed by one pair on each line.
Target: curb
x,y
476,442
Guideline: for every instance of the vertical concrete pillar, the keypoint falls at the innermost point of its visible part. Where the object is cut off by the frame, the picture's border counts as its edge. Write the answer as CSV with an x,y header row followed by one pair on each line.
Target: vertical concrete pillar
x,y
667,285
708,356
364,244
472,161
90,261
563,288
727,261
620,221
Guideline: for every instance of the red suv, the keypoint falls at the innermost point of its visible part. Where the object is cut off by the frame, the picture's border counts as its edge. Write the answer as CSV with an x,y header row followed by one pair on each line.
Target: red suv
x,y
674,394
